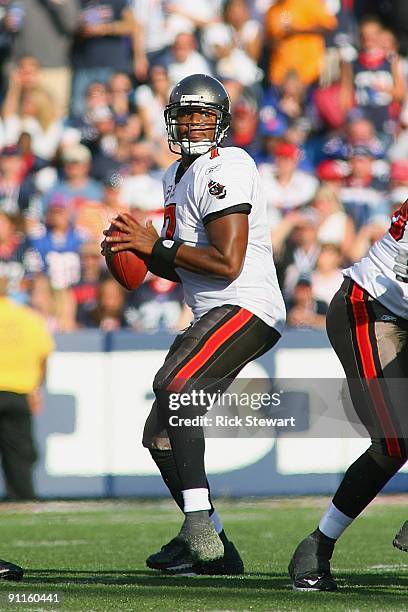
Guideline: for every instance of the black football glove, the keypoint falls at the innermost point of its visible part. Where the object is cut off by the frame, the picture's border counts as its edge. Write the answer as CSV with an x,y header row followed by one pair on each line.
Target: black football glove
x,y
401,266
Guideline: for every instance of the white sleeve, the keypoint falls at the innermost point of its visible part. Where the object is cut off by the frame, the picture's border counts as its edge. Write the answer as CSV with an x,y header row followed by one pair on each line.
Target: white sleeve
x,y
225,190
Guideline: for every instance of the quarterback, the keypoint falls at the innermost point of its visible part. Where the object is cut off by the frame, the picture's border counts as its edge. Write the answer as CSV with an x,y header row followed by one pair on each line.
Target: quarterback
x,y
367,324
216,242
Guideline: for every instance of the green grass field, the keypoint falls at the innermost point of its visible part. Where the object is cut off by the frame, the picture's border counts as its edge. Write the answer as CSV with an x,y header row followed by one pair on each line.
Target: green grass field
x,y
92,553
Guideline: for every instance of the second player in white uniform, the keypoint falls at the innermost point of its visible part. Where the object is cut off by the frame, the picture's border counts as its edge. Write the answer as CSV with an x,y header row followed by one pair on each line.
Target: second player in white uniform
x,y
367,324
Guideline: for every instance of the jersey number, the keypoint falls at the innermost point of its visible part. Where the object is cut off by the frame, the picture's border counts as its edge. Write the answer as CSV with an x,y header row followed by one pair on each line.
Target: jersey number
x,y
170,220
399,222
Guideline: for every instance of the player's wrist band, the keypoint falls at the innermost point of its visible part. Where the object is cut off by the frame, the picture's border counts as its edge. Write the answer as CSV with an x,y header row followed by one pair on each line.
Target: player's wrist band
x,y
164,253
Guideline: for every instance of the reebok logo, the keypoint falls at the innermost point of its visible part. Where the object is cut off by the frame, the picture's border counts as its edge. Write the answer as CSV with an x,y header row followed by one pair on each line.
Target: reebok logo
x,y
168,243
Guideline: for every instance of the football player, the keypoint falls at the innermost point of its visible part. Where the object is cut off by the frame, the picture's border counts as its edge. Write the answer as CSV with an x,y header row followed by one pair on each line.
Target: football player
x,y
367,324
216,241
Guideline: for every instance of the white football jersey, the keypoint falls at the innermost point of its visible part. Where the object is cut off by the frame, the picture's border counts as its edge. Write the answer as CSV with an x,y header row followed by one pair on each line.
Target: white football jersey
x,y
215,182
374,272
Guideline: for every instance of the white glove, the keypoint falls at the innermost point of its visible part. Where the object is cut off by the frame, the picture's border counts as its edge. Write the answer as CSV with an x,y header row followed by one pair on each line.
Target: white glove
x,y
401,266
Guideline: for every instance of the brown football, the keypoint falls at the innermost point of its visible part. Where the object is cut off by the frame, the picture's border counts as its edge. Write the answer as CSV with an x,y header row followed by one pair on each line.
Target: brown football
x,y
125,266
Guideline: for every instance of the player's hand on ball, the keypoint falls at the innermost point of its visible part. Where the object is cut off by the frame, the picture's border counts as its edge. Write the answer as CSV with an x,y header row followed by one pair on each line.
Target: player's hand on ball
x,y
135,236
401,266
103,247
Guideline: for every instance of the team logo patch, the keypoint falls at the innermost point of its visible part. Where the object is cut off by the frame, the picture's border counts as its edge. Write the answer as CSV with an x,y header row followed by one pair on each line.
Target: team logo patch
x,y
217,190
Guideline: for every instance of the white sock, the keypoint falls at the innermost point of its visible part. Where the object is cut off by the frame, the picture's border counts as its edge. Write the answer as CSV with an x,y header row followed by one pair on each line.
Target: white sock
x,y
216,519
334,522
196,499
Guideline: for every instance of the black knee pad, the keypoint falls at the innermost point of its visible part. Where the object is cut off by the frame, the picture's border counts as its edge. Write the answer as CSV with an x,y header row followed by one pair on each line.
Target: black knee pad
x,y
390,465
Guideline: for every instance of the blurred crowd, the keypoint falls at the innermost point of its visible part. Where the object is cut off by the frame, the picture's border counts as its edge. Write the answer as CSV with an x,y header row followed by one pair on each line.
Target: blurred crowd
x,y
319,99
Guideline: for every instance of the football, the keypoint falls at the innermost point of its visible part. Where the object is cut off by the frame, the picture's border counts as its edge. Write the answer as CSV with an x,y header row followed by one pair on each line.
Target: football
x,y
125,266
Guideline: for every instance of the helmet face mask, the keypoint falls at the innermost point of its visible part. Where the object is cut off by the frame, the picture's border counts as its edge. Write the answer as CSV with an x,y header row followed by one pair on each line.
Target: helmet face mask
x,y
197,95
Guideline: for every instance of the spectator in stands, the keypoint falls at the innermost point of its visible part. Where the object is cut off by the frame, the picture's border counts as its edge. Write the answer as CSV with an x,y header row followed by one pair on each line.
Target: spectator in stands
x,y
369,233
31,110
363,194
56,307
358,130
390,45
29,72
235,44
271,129
183,59
17,188
150,100
285,186
13,256
244,123
399,148
96,96
334,225
295,32
26,345
186,16
127,131
82,126
102,142
101,46
92,217
55,251
42,300
157,305
11,22
47,31
399,182
107,315
296,248
373,81
304,310
289,102
142,190
11,177
327,274
76,185
150,35
332,172
119,90
92,270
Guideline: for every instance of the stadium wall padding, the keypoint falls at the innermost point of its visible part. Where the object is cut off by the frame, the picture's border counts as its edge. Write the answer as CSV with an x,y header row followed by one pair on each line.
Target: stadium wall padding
x,y
99,393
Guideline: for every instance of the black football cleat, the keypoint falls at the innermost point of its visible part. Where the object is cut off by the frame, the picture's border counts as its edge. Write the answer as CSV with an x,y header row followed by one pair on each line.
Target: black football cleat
x,y
401,539
172,557
175,558
309,567
10,571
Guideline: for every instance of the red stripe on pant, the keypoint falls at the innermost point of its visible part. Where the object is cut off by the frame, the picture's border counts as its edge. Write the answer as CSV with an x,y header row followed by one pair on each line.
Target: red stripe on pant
x,y
370,372
213,343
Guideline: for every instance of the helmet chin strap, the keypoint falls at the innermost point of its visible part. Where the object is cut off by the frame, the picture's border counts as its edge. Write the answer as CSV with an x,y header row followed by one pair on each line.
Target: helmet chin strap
x,y
196,148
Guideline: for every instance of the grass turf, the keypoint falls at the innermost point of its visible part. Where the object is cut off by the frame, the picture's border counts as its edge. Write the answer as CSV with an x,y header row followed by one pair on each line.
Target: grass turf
x,y
92,553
